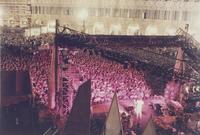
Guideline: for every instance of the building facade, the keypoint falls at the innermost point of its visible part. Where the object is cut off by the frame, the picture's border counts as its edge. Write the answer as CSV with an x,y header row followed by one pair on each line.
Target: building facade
x,y
126,17
15,12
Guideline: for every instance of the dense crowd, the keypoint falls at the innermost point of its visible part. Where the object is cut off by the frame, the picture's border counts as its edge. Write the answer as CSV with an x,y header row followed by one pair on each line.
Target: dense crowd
x,y
38,67
172,90
108,77
16,37
11,63
39,71
12,36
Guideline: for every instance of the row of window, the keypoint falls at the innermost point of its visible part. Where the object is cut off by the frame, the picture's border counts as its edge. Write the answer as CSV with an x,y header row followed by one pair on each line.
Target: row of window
x,y
121,13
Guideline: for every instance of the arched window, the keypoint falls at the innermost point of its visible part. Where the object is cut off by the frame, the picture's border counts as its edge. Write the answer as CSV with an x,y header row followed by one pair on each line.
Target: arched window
x,y
99,28
151,30
133,29
115,29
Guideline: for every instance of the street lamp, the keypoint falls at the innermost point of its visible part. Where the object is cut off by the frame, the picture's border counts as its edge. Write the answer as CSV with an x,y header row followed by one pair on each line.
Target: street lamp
x,y
82,16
